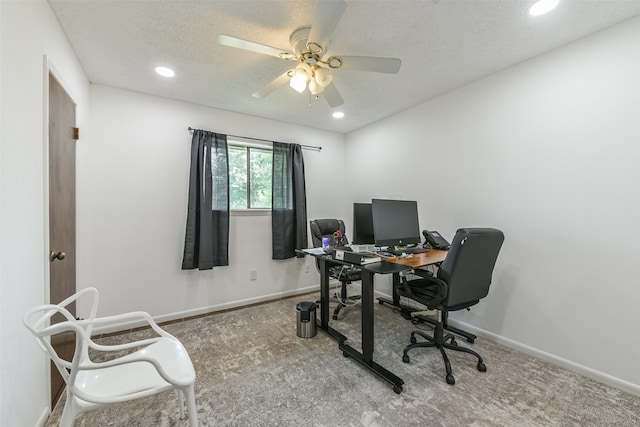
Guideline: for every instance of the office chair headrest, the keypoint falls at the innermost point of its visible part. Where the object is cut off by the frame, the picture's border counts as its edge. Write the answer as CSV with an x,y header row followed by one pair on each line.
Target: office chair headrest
x,y
328,226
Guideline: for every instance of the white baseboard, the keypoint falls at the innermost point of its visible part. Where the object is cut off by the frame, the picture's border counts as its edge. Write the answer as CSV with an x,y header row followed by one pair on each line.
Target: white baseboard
x,y
44,417
548,357
205,310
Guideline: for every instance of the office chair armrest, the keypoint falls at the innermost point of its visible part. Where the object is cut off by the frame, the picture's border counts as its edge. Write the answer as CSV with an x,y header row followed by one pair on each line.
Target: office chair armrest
x,y
405,288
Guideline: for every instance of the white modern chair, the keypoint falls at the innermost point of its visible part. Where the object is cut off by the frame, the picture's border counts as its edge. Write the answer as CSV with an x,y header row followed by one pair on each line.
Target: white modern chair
x,y
134,370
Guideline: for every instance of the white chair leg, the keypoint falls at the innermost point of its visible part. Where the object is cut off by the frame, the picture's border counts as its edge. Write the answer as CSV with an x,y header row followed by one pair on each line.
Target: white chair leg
x,y
180,397
192,411
69,412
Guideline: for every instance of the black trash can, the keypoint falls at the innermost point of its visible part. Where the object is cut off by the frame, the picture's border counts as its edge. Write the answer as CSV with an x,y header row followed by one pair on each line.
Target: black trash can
x,y
306,319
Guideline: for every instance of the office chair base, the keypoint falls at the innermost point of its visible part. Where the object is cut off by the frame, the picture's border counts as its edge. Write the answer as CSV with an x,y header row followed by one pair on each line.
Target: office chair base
x,y
441,342
340,305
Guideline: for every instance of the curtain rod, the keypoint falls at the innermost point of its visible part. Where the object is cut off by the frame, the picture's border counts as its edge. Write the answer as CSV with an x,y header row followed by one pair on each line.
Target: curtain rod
x,y
311,147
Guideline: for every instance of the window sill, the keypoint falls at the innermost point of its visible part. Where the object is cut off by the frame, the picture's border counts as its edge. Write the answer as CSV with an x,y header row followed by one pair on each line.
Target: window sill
x,y
251,212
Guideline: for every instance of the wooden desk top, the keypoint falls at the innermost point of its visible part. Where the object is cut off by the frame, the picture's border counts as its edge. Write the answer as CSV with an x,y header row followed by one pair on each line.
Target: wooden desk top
x,y
432,256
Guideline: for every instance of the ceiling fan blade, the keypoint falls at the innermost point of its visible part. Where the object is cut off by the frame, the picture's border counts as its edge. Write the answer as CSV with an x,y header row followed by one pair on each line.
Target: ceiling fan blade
x,y
332,96
369,63
253,47
325,21
279,81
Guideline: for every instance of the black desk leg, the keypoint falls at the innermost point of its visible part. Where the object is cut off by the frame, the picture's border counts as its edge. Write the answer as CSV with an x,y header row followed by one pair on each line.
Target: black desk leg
x,y
394,289
395,302
324,293
324,303
367,316
366,357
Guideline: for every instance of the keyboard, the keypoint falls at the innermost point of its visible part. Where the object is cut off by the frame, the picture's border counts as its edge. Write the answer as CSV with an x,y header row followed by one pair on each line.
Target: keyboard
x,y
414,250
385,254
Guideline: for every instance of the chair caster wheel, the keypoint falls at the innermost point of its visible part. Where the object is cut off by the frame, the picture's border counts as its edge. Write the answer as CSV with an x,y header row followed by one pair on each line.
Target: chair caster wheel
x,y
450,379
380,302
482,367
397,389
405,358
334,317
345,354
413,339
454,342
471,340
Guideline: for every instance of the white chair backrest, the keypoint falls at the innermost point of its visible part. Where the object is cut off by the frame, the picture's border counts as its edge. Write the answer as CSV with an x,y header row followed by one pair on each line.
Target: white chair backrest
x,y
132,370
39,321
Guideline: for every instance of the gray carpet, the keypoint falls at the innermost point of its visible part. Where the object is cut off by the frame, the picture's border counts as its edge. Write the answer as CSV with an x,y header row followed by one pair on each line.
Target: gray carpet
x,y
252,370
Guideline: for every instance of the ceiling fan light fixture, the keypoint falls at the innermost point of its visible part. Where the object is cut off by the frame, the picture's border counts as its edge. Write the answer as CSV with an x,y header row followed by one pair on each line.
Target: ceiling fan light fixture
x,y
314,87
298,83
323,77
301,75
303,71
308,45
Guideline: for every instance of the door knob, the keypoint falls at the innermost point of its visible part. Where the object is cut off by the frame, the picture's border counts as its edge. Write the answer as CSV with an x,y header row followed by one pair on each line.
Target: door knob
x,y
57,255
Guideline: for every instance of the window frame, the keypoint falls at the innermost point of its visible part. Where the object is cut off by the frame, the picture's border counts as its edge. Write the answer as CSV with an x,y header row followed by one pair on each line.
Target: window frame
x,y
237,142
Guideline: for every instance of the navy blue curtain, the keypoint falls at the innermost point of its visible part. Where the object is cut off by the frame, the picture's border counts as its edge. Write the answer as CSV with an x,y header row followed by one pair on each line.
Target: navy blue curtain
x,y
206,241
289,201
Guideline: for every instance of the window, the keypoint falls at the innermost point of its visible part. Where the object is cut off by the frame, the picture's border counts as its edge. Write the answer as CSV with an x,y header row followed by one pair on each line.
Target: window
x,y
249,176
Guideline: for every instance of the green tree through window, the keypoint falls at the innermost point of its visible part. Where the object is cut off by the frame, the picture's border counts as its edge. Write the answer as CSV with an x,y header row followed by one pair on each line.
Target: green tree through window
x,y
249,177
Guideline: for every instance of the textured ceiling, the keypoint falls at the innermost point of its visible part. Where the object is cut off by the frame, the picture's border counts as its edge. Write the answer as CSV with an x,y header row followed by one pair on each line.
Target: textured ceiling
x,y
443,45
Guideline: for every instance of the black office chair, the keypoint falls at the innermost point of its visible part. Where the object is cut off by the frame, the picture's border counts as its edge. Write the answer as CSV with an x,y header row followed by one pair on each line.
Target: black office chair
x,y
345,274
462,280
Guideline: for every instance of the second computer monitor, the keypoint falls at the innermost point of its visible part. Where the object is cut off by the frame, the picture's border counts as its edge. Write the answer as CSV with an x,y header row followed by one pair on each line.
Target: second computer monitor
x,y
395,222
362,224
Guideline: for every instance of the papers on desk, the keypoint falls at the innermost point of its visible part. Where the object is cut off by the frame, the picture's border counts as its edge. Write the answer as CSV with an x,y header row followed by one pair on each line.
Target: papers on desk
x,y
346,256
314,251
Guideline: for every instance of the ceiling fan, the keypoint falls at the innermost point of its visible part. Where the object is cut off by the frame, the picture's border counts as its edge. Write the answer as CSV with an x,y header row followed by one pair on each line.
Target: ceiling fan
x,y
309,45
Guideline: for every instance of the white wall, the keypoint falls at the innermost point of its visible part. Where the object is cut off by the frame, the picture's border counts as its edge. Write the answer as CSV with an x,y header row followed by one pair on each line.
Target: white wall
x,y
544,151
547,151
132,192
28,31
132,175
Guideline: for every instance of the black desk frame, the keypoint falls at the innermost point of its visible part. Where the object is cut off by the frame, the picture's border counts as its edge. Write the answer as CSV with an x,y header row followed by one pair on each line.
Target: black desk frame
x,y
365,357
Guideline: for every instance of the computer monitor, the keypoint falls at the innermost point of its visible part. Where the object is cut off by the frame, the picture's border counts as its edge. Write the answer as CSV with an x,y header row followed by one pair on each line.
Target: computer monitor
x,y
395,222
362,224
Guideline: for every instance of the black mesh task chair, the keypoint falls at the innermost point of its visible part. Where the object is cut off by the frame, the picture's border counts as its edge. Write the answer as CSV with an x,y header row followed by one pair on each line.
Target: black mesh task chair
x,y
326,228
462,280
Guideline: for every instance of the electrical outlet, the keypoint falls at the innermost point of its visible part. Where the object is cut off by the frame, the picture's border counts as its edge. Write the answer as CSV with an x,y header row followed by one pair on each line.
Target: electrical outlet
x,y
253,274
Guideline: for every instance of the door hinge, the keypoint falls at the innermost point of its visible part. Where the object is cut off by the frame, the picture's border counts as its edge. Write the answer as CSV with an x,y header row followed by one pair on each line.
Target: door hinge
x,y
76,133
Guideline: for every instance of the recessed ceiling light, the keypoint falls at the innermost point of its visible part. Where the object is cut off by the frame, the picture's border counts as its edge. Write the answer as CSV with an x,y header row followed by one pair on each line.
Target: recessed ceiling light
x,y
338,115
542,6
165,72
